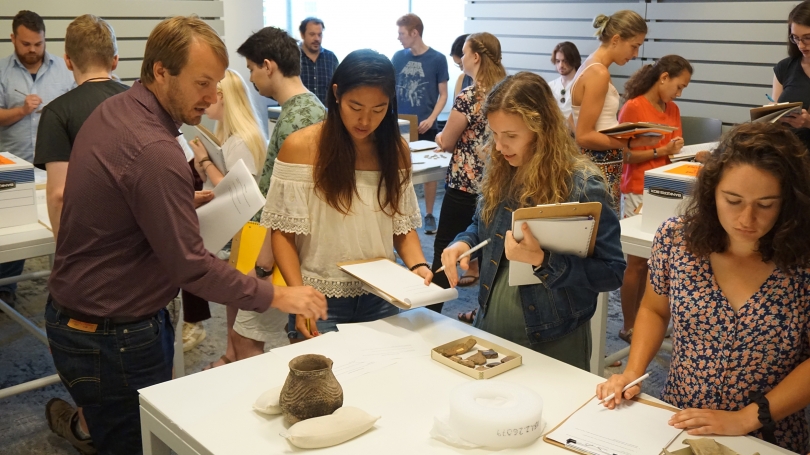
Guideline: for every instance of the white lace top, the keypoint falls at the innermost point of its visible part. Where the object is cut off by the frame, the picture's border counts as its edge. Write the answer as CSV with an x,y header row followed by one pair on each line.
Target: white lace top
x,y
324,236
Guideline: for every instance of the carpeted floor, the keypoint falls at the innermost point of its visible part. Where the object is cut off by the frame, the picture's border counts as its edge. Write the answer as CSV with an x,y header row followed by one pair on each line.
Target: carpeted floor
x,y
24,430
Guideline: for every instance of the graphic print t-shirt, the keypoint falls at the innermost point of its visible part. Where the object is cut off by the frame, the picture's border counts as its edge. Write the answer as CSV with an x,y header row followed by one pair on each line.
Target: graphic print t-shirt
x,y
418,79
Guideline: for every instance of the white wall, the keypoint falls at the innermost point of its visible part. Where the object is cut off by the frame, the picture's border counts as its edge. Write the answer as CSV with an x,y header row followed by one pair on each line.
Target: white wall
x,y
731,45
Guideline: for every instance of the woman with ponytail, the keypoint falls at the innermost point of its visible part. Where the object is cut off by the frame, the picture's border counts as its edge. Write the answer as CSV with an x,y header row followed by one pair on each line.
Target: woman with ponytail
x,y
464,136
595,101
650,95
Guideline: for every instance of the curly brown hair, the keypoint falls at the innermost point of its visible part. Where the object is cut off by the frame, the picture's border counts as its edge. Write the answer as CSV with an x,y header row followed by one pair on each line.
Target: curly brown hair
x,y
648,75
770,148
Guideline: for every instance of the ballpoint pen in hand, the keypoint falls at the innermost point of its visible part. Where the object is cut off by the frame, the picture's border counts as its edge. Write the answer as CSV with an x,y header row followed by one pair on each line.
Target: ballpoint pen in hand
x,y
613,395
467,253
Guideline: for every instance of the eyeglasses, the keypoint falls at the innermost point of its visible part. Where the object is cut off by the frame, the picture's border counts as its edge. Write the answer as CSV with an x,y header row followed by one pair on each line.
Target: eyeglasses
x,y
795,39
562,95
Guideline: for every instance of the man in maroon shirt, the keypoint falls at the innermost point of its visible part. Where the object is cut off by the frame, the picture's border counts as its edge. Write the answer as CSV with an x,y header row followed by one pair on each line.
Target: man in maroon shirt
x,y
130,238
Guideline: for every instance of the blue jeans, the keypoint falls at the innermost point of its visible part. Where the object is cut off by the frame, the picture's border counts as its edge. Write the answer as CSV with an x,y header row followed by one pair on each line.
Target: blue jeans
x,y
342,310
104,369
11,269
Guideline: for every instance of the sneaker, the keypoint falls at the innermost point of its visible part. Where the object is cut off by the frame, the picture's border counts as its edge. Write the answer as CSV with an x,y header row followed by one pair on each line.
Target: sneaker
x,y
61,416
9,297
193,334
430,224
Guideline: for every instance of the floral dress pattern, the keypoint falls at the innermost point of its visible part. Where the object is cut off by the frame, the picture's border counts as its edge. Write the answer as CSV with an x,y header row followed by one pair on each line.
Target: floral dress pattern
x,y
719,356
467,165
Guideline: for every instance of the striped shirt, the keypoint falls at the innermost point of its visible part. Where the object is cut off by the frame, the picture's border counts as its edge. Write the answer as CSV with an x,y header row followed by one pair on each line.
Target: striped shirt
x,y
317,75
130,235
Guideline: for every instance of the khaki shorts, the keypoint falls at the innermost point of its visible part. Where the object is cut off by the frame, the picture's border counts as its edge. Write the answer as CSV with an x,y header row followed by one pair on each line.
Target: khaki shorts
x,y
630,203
260,326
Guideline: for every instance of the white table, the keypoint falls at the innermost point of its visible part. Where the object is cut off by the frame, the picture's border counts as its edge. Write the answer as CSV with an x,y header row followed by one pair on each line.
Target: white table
x,y
210,412
635,242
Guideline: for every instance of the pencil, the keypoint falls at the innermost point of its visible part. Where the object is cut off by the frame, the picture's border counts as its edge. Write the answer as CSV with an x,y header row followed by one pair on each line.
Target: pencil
x,y
467,253
613,395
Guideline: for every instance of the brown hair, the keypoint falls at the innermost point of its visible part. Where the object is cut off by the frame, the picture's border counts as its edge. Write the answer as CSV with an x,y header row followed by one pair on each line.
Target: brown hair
x,y
625,23
411,21
90,42
28,19
647,76
491,70
554,157
334,173
771,148
170,41
570,52
800,14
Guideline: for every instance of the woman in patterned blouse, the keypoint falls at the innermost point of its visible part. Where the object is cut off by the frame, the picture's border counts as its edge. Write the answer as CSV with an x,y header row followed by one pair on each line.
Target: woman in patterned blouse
x,y
464,135
732,275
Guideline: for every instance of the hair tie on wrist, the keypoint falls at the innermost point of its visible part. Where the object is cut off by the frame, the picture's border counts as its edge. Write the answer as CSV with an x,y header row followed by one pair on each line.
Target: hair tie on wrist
x,y
764,416
416,266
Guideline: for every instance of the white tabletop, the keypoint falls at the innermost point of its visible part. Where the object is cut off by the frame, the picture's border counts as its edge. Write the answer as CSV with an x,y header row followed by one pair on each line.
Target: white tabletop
x,y
210,412
635,241
28,240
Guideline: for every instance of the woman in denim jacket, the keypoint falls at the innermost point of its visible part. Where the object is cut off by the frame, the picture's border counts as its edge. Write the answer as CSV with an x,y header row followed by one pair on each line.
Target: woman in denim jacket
x,y
533,160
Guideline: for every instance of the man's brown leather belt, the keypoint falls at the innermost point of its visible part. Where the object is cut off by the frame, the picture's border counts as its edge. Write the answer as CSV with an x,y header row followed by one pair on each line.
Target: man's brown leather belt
x,y
73,314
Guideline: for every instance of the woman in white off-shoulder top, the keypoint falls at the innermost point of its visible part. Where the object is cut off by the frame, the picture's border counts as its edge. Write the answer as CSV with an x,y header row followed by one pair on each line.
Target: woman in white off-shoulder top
x,y
341,191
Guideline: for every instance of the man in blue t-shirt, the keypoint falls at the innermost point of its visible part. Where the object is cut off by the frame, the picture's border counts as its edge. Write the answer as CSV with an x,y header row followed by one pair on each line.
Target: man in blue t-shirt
x,y
421,90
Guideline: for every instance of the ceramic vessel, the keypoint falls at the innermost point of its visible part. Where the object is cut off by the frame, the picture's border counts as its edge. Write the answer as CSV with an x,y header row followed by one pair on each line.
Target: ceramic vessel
x,y
311,389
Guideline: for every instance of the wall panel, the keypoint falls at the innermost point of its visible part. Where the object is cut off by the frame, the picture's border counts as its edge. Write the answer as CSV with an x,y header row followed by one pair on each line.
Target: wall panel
x,y
732,45
132,21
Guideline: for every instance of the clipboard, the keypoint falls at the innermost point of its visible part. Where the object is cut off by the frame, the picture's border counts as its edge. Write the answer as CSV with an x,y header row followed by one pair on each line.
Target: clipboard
x,y
633,129
636,399
773,112
564,210
209,141
377,291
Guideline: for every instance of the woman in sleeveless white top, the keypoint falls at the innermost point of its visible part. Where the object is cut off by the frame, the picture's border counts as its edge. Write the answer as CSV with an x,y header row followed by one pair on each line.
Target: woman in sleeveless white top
x,y
595,105
356,152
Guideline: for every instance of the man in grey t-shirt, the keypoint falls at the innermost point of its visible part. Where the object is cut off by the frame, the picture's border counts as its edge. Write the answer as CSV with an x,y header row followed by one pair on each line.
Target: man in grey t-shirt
x,y
421,90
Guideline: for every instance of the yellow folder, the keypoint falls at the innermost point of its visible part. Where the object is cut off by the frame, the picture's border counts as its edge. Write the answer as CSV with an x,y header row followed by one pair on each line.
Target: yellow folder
x,y
245,250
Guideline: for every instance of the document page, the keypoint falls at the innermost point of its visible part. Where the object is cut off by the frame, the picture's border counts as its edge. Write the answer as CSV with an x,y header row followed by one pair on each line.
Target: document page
x,y
571,235
400,283
236,199
689,151
633,428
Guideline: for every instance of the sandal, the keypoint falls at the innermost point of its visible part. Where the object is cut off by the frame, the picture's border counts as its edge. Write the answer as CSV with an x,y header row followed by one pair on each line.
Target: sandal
x,y
225,360
467,317
467,280
626,336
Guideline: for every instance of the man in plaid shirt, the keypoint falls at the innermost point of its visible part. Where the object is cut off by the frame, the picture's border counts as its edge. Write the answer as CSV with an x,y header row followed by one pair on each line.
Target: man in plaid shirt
x,y
317,63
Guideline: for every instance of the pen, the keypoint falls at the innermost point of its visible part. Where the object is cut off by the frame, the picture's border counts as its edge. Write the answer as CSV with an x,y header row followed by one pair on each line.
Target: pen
x,y
769,98
467,253
21,93
613,395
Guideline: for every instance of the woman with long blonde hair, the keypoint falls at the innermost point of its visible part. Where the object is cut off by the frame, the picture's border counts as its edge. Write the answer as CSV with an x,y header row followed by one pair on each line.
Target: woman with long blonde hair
x,y
464,135
533,160
237,130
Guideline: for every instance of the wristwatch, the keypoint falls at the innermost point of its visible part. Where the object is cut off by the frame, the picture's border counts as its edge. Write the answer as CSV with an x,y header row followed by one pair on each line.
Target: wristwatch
x,y
262,273
655,153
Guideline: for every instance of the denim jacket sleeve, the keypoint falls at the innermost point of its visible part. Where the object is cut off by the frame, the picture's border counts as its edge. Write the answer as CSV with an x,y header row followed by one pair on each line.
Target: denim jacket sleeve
x,y
471,236
604,270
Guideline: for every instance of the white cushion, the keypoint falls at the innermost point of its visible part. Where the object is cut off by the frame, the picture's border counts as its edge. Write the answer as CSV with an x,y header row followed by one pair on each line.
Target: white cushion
x,y
326,431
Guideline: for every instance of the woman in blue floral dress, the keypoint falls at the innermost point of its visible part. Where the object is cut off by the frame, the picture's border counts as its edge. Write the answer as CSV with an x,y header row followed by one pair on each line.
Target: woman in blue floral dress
x,y
732,275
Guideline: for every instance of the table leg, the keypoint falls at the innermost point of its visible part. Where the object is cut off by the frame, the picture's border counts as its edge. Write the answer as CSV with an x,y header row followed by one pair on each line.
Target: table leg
x,y
152,444
599,334
179,357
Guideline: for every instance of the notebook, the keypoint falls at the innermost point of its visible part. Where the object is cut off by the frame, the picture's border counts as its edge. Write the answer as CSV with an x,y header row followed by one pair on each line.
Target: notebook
x,y
396,284
771,113
568,228
689,152
636,427
209,141
633,129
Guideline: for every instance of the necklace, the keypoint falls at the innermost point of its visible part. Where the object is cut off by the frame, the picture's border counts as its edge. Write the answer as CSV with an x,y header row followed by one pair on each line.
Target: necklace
x,y
98,79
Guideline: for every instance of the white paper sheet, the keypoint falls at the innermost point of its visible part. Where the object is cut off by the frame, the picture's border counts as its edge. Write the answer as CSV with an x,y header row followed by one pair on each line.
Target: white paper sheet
x,y
236,199
571,235
689,151
418,146
430,159
399,283
631,429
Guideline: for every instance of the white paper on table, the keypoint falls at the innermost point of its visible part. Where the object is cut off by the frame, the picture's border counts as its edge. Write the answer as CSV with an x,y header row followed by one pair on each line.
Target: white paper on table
x,y
236,199
422,161
689,151
418,146
633,428
399,283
